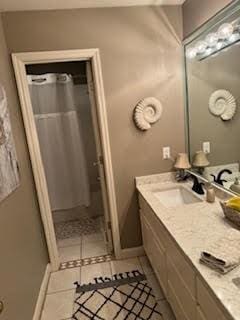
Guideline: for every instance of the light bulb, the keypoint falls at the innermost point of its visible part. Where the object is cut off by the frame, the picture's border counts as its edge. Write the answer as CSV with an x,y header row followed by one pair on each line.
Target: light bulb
x,y
225,31
219,45
234,37
201,46
191,53
211,39
208,51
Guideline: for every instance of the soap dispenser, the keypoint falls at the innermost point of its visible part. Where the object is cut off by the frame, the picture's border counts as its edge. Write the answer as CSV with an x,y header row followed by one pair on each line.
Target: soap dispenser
x,y
210,196
236,186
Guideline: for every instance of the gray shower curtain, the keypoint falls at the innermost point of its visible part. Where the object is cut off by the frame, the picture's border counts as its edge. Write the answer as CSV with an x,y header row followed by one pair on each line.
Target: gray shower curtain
x,y
59,133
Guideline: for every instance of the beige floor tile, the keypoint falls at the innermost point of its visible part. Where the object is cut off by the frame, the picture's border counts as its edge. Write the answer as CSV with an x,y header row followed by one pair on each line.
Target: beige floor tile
x,y
88,273
58,306
94,237
69,253
166,310
125,265
157,290
69,242
63,280
93,249
145,264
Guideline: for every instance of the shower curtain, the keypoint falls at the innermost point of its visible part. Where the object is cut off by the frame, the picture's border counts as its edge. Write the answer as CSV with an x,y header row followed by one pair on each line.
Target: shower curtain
x,y
60,139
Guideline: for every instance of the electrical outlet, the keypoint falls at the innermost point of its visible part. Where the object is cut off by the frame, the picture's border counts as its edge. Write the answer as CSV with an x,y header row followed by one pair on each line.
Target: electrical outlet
x,y
206,147
166,153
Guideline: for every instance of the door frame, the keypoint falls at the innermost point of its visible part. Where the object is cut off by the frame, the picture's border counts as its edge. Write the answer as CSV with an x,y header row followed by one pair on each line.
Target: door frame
x,y
20,60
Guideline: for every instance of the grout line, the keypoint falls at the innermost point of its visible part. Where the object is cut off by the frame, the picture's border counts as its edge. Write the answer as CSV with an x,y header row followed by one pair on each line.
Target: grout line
x,y
161,299
59,291
111,269
81,245
141,265
60,270
72,245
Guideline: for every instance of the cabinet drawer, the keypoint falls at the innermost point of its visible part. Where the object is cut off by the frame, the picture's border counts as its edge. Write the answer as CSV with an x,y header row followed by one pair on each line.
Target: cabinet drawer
x,y
156,253
183,267
175,304
181,291
208,305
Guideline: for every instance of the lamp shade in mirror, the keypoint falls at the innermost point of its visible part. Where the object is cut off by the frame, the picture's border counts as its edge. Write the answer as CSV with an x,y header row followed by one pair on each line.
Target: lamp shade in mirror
x,y
182,161
200,160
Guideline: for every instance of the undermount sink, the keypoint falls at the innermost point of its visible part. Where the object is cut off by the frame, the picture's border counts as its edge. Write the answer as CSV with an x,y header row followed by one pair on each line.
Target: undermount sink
x,y
175,197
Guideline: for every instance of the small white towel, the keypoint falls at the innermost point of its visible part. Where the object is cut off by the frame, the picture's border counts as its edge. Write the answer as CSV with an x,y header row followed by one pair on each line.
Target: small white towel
x,y
224,255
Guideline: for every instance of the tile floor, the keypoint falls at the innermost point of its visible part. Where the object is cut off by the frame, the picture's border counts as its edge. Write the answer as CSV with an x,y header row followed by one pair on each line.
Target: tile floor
x,y
84,246
59,302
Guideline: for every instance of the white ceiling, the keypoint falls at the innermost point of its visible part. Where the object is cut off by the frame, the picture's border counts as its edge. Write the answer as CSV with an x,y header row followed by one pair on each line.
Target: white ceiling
x,y
20,5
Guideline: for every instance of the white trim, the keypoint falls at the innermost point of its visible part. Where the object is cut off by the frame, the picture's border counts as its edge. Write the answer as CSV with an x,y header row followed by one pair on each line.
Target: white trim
x,y
132,252
25,5
42,294
20,60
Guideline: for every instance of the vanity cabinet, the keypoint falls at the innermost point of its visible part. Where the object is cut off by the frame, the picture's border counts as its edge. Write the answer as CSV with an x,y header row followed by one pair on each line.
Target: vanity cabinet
x,y
208,306
156,253
185,291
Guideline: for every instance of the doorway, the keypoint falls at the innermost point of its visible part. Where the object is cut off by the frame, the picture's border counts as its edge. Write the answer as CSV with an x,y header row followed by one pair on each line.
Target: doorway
x,y
70,153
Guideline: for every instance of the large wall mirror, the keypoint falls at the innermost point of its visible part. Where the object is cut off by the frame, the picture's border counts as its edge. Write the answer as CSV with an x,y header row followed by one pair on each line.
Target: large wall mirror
x,y
213,99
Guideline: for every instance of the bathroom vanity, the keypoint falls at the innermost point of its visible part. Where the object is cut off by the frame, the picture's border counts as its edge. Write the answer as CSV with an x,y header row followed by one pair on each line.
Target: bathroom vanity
x,y
176,226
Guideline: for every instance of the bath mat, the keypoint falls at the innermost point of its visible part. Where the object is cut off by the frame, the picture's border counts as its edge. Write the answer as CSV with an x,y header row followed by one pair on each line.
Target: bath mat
x,y
76,228
125,296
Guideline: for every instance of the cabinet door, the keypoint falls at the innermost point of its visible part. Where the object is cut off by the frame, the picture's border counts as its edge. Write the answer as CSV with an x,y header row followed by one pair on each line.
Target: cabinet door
x,y
210,307
200,315
175,304
155,252
181,290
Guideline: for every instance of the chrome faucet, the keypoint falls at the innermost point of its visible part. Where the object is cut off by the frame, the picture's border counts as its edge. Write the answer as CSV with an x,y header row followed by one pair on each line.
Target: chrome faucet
x,y
219,179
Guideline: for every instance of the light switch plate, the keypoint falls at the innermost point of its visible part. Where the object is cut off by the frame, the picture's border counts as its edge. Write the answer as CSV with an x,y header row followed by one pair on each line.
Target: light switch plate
x,y
206,147
166,153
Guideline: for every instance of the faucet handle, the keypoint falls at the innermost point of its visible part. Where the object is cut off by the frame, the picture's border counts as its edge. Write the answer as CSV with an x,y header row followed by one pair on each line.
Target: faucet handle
x,y
214,177
222,180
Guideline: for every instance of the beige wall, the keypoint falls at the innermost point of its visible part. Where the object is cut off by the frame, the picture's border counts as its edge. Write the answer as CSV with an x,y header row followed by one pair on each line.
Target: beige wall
x,y
196,12
22,244
141,56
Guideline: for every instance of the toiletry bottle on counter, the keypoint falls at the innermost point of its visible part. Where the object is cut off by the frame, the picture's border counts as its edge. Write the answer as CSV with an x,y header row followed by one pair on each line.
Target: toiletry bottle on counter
x,y
236,186
210,197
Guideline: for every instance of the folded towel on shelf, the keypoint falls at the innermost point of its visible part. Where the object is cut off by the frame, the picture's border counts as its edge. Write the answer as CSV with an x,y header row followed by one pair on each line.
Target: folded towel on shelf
x,y
224,255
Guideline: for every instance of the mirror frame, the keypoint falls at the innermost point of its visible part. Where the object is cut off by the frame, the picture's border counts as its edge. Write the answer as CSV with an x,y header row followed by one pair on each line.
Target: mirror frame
x,y
214,20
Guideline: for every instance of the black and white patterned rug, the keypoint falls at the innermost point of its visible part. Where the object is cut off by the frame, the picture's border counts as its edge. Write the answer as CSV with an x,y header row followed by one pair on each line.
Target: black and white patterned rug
x,y
125,296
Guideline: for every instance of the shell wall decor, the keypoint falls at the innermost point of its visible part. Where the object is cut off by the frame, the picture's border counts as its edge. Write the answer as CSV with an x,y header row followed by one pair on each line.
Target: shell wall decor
x,y
147,112
222,104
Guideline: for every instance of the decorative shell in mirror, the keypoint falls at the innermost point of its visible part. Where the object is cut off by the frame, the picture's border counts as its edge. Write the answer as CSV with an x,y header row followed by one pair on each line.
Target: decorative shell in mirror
x,y
2,132
223,104
147,112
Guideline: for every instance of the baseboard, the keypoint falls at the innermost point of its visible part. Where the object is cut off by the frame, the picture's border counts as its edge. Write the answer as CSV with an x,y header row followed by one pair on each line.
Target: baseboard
x,y
42,293
132,252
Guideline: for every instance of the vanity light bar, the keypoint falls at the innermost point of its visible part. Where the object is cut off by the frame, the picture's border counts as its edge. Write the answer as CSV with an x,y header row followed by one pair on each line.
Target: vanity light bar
x,y
226,35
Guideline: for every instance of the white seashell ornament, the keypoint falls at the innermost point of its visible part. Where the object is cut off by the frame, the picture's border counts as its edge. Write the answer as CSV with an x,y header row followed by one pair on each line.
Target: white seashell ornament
x,y
223,104
147,112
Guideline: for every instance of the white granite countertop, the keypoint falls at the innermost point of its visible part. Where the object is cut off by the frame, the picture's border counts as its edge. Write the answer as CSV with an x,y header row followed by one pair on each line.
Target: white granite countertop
x,y
194,227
